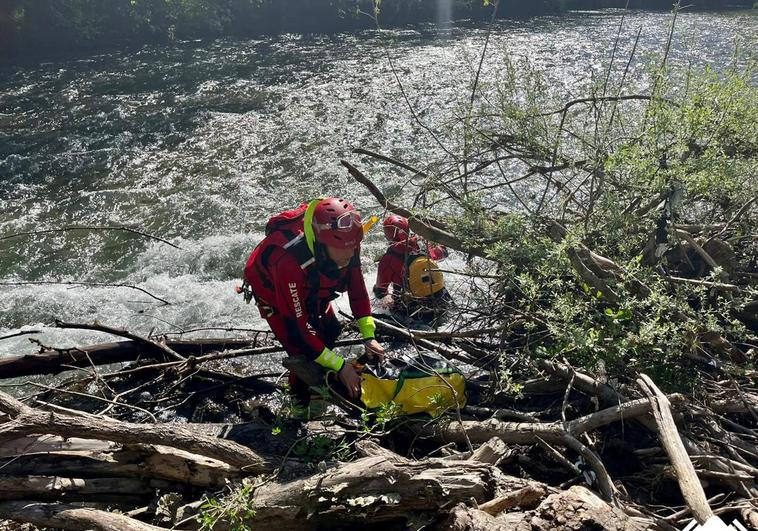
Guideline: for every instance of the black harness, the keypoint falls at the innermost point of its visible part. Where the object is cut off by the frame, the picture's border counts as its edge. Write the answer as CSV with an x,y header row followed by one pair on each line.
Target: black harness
x,y
297,246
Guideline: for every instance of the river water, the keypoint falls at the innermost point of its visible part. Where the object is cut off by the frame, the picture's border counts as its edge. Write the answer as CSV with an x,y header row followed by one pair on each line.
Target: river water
x,y
199,142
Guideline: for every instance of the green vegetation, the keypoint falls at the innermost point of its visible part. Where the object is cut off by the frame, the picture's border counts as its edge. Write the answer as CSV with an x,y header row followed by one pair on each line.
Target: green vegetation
x,y
40,27
233,509
630,242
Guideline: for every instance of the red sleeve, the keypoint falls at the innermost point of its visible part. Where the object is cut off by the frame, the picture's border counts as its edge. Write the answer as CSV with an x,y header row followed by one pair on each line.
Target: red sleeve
x,y
360,304
290,288
389,272
437,252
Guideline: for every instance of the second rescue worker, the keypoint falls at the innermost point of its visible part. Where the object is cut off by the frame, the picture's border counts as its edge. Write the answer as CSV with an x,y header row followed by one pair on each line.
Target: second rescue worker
x,y
309,256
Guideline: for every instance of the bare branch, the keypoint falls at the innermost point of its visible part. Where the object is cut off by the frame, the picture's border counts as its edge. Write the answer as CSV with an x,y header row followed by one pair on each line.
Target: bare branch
x,y
90,228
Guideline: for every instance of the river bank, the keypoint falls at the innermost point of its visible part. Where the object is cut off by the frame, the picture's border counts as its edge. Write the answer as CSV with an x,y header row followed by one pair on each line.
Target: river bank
x,y
34,31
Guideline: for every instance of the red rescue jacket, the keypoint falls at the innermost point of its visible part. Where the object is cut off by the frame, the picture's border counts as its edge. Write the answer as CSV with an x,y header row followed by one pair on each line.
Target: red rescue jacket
x,y
284,274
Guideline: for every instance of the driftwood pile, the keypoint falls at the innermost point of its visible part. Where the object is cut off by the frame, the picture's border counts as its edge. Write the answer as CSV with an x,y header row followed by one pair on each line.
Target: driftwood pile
x,y
178,422
573,453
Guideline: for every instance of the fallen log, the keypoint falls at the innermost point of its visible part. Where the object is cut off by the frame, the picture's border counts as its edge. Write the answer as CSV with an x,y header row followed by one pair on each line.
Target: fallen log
x,y
52,443
57,361
54,488
197,352
576,508
463,518
692,490
27,421
72,517
378,489
384,489
560,433
151,345
134,461
552,432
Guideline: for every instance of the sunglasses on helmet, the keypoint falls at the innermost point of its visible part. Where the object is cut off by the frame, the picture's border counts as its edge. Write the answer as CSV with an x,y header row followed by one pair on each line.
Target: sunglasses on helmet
x,y
344,222
394,231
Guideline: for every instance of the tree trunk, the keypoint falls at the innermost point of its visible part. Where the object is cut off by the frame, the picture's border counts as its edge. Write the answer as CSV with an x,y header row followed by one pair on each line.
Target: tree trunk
x,y
576,508
71,517
381,490
138,461
54,362
27,421
53,488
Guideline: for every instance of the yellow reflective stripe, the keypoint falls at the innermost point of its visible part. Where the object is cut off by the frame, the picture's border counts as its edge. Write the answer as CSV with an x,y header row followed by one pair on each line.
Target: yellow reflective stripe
x,y
330,360
310,237
367,326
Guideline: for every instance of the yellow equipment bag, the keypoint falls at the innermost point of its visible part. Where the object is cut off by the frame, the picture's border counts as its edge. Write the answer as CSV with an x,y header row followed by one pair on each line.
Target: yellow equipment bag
x,y
428,386
424,277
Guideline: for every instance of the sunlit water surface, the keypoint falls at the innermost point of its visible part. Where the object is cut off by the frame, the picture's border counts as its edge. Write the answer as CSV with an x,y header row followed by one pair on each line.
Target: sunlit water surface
x,y
200,142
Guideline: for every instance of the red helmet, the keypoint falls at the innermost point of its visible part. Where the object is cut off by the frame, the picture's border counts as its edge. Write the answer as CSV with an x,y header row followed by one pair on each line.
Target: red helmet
x,y
336,223
396,228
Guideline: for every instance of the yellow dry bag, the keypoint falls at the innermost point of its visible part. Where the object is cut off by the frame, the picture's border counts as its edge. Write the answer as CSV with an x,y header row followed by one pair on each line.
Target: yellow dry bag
x,y
427,385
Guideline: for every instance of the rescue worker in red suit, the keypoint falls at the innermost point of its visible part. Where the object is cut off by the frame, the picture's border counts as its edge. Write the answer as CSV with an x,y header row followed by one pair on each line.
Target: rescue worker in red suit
x,y
392,271
309,256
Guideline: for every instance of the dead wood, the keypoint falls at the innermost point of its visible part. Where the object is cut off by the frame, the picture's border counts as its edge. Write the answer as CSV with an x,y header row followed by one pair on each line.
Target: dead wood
x,y
463,518
130,230
689,483
491,452
379,489
150,344
72,517
85,284
22,333
588,276
607,395
432,231
53,443
559,433
54,488
132,461
526,498
417,339
552,432
576,508
750,517
57,361
27,421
